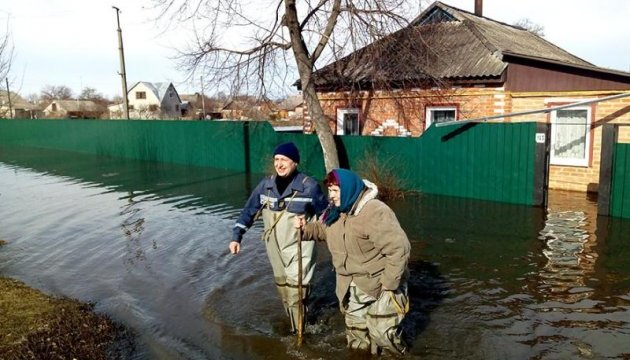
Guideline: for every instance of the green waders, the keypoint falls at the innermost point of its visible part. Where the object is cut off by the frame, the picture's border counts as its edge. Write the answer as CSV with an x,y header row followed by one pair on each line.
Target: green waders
x,y
374,324
281,240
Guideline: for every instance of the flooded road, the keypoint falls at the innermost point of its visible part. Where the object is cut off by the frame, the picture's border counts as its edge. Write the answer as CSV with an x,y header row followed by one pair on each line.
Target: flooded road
x,y
147,244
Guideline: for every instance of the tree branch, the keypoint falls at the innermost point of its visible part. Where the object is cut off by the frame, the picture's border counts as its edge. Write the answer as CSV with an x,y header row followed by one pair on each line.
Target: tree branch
x,y
330,26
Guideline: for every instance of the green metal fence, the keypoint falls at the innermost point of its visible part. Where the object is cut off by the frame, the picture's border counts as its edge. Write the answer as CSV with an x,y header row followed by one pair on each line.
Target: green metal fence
x,y
620,191
613,198
498,162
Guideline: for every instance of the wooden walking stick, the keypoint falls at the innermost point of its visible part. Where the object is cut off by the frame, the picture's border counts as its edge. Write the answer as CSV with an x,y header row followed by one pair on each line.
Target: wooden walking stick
x,y
300,325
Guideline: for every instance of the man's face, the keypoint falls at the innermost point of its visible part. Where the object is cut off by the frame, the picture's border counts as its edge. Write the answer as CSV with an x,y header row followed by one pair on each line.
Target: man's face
x,y
283,165
334,194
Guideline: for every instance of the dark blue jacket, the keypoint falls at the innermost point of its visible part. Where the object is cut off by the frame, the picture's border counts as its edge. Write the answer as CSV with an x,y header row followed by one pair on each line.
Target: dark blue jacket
x,y
308,199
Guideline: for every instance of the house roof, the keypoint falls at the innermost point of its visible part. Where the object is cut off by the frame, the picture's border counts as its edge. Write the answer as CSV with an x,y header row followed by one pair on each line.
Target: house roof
x,y
446,43
291,102
17,102
78,105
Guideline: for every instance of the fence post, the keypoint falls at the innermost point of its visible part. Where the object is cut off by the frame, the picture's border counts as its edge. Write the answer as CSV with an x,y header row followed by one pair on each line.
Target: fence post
x,y
609,139
541,166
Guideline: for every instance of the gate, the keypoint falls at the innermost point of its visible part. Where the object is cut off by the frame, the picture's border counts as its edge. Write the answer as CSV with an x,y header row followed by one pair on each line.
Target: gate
x,y
614,175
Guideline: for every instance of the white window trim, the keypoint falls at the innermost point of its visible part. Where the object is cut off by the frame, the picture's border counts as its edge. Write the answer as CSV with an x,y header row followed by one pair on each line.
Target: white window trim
x,y
587,146
341,113
428,118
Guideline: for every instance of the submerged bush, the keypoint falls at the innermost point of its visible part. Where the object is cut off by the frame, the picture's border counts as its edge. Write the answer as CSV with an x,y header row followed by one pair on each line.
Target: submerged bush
x,y
382,173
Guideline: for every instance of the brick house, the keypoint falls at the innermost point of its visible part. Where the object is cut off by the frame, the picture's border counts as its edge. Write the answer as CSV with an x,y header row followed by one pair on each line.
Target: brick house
x,y
450,64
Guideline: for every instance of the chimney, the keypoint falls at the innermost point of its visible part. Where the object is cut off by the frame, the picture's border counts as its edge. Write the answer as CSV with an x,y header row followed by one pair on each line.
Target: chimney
x,y
479,8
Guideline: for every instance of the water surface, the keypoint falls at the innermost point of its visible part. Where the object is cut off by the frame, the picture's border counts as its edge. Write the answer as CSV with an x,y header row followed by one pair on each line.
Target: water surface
x,y
147,244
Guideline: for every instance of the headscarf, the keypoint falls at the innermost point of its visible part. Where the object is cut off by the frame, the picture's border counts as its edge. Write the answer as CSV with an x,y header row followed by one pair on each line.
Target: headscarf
x,y
350,186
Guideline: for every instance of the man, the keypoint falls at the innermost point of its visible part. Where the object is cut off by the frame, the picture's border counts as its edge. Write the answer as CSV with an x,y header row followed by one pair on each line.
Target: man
x,y
279,199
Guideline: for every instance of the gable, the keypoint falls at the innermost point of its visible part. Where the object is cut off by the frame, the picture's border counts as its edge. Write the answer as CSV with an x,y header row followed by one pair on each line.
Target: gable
x,y
150,94
434,15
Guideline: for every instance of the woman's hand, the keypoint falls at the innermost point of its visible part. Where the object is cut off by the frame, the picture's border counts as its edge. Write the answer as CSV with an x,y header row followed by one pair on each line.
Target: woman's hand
x,y
299,222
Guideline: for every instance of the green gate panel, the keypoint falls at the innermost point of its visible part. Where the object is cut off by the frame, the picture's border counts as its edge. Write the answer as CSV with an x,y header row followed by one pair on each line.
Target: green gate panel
x,y
479,161
620,190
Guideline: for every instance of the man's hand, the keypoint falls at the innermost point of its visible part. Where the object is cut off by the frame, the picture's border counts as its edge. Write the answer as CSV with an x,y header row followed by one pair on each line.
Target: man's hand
x,y
235,247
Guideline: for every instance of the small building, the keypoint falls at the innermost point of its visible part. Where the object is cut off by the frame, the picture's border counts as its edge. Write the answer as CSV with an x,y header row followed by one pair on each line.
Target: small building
x,y
201,107
15,107
291,108
248,108
74,109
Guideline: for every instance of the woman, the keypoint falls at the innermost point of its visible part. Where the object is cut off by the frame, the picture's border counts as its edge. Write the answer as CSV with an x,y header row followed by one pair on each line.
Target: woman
x,y
370,252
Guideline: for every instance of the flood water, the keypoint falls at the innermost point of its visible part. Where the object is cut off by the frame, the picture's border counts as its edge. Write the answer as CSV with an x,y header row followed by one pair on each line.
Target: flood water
x,y
147,244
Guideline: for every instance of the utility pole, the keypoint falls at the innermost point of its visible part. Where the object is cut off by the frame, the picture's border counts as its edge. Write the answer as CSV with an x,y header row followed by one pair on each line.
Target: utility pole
x,y
203,100
122,73
9,98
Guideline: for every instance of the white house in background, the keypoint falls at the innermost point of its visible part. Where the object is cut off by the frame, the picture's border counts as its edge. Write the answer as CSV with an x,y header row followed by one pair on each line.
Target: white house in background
x,y
151,101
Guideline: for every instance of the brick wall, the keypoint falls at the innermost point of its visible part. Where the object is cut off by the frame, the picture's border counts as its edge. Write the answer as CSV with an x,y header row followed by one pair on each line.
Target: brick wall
x,y
407,108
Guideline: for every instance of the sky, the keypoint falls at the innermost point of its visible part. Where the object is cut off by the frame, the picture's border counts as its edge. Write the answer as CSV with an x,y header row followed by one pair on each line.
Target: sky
x,y
75,42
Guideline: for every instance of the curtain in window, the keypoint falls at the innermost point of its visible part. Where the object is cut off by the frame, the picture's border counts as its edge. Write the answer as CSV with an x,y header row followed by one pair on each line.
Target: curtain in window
x,y
351,124
570,134
440,116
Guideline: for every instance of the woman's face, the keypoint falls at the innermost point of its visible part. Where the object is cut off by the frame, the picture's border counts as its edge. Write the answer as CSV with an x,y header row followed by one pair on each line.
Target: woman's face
x,y
334,194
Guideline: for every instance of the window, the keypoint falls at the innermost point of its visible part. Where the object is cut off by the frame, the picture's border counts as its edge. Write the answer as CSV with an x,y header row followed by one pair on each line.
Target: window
x,y
348,122
141,94
54,107
570,136
439,114
153,107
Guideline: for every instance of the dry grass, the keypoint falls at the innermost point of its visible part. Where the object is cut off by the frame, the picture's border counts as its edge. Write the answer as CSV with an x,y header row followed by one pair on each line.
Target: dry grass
x,y
36,326
384,175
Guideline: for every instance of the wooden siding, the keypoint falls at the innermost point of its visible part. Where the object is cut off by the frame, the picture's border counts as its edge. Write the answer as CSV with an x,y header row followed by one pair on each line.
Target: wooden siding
x,y
523,77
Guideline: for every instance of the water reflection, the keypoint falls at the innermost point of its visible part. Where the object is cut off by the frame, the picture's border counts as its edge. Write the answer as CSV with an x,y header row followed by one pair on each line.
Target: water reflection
x,y
488,280
570,257
132,228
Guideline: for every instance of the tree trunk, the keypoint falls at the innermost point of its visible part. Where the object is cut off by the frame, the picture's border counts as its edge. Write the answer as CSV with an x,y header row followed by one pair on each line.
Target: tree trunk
x,y
324,133
305,69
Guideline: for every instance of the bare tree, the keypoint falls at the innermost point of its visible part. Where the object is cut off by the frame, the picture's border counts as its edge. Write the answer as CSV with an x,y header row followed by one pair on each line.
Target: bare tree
x,y
54,92
89,93
532,27
6,58
279,37
6,53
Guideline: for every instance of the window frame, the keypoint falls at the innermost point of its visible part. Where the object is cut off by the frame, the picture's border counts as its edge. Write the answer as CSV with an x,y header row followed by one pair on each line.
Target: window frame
x,y
341,112
585,162
428,113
